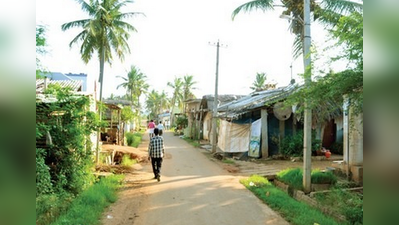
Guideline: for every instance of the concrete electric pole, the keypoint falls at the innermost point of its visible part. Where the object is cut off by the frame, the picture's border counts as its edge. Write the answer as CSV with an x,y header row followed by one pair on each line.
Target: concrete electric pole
x,y
307,137
215,100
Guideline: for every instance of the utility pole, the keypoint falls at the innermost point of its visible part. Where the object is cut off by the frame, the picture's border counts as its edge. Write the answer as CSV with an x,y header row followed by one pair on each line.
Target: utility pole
x,y
215,100
307,137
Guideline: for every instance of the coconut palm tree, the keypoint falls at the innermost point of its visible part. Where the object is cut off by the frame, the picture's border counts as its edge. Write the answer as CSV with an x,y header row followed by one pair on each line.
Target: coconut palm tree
x,y
259,83
177,95
156,103
103,32
188,86
327,12
135,85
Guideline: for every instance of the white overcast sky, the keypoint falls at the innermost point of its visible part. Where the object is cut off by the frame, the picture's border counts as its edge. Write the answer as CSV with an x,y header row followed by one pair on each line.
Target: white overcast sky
x,y
173,41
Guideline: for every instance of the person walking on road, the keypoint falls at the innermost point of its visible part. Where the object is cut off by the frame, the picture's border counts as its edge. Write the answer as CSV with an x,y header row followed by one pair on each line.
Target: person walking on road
x,y
160,128
151,126
156,151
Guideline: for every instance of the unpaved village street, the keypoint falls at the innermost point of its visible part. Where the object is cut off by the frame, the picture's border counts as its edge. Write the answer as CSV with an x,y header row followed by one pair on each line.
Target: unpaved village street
x,y
193,190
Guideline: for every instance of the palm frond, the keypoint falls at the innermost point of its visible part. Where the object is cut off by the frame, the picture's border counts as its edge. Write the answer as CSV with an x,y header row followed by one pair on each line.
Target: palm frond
x,y
77,23
342,6
297,47
263,5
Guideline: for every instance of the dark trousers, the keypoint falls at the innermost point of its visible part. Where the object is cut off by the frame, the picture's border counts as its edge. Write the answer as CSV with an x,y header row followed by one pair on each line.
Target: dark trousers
x,y
156,166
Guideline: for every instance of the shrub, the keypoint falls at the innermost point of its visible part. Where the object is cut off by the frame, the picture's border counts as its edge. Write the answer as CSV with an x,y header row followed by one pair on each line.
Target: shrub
x,y
127,161
293,145
133,139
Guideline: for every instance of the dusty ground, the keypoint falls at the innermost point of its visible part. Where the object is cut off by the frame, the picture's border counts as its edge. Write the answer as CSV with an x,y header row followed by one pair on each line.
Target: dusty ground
x,y
195,189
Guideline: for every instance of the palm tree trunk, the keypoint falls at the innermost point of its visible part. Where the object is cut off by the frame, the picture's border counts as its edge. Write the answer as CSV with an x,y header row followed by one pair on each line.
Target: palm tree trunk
x,y
102,56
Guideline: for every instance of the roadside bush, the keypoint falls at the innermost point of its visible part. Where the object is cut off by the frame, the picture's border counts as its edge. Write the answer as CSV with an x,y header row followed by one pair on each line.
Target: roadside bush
x,y
43,177
293,145
133,139
127,161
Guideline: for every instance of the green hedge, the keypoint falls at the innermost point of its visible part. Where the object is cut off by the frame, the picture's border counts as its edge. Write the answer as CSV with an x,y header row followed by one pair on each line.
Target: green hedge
x,y
133,139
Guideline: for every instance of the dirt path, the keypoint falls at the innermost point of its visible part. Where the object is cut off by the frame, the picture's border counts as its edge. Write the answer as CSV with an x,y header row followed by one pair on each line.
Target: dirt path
x,y
193,190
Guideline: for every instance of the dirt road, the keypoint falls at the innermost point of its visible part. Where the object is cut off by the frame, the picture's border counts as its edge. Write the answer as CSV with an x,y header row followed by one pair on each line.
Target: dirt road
x,y
193,190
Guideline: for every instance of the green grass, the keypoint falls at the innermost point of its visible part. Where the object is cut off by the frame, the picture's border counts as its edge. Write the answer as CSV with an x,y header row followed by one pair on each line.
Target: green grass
x,y
134,139
88,207
293,177
349,204
295,212
228,161
192,142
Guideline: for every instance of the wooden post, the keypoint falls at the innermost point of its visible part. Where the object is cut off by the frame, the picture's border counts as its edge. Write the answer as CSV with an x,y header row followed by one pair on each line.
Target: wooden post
x,y
264,133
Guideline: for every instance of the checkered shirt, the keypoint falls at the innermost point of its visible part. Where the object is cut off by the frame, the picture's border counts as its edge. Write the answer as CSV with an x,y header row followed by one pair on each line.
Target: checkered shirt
x,y
156,148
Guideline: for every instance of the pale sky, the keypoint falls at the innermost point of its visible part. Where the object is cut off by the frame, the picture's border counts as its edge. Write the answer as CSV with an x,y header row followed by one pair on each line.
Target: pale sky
x,y
173,41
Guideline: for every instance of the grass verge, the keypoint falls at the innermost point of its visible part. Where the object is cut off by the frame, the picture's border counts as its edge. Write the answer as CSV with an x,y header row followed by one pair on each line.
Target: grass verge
x,y
88,207
192,142
295,212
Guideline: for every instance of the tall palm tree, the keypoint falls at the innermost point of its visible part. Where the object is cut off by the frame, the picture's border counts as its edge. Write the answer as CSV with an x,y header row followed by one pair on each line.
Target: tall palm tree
x,y
327,12
135,85
103,32
188,86
177,95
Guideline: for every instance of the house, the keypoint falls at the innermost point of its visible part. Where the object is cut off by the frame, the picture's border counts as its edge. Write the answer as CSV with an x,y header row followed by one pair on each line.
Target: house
x,y
74,85
352,163
256,120
57,76
165,118
193,114
206,111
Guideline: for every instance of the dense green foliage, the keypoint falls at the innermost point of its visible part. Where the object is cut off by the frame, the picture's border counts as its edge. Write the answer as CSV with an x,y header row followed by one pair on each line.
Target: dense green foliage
x,y
294,177
292,145
67,158
295,212
64,156
40,47
181,122
88,207
133,139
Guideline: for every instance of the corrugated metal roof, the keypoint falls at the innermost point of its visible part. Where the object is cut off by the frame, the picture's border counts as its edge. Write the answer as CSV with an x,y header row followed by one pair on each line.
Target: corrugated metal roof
x,y
256,100
75,85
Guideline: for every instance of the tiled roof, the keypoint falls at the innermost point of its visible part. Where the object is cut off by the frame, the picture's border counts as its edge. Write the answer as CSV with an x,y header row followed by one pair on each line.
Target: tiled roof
x,y
256,100
75,85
